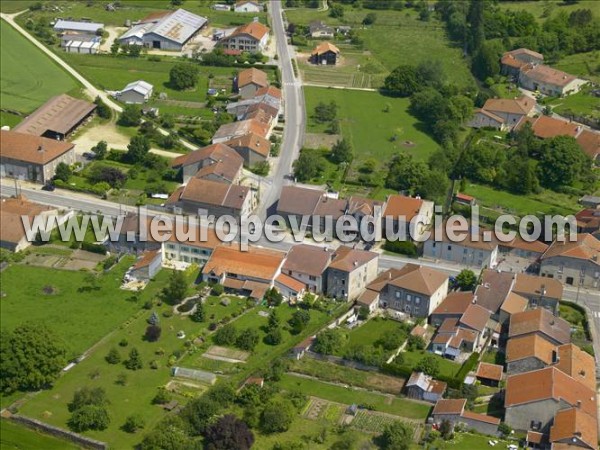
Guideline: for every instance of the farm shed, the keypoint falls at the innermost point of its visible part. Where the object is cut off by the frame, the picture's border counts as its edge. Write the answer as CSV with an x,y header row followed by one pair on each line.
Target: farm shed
x,y
136,92
80,26
57,118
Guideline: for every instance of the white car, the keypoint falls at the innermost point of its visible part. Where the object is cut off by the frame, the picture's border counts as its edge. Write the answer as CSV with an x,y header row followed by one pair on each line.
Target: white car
x,y
513,447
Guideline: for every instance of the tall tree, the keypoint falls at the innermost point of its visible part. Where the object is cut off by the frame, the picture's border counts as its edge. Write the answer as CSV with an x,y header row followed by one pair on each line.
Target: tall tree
x,y
228,433
174,292
138,148
396,436
32,357
342,152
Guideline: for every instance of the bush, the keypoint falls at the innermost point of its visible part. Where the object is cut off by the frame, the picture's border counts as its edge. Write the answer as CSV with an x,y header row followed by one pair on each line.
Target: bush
x,y
402,247
113,356
217,290
162,396
152,333
133,423
94,248
123,343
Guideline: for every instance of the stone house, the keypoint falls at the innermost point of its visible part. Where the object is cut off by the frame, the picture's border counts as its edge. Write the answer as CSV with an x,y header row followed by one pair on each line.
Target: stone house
x,y
350,271
454,411
308,264
452,307
32,158
529,352
533,398
251,37
413,290
408,218
573,263
216,162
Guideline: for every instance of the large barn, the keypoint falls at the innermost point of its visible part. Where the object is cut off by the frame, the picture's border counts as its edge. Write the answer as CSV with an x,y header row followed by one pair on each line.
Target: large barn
x,y
168,31
57,118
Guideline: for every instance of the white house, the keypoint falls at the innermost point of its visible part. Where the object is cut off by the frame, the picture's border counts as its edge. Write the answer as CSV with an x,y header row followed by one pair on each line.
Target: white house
x,y
244,6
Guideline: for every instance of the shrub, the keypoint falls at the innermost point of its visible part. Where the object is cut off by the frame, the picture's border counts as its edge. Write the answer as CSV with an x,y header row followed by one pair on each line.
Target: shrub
x,y
133,423
402,247
113,356
162,396
123,343
152,333
217,290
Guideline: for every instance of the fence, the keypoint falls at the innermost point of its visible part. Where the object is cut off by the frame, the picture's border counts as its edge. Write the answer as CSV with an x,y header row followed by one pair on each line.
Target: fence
x,y
60,432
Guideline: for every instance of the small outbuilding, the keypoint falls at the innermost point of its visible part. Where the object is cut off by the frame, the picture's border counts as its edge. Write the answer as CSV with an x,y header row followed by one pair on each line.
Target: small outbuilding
x,y
136,92
489,374
325,54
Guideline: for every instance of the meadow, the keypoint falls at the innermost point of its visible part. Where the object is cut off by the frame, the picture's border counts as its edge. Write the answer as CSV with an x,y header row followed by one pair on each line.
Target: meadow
x,y
79,317
365,122
586,65
396,37
537,8
27,77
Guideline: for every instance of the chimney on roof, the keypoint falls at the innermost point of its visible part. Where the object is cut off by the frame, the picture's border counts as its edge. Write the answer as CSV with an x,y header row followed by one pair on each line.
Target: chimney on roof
x,y
578,404
555,357
552,322
355,263
543,289
40,148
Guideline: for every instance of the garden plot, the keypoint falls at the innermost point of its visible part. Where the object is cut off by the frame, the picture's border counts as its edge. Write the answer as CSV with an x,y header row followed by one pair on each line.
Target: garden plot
x,y
226,354
371,422
320,409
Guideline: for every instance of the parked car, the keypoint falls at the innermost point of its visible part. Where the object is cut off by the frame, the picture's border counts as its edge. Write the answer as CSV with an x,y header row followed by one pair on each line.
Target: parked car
x,y
48,187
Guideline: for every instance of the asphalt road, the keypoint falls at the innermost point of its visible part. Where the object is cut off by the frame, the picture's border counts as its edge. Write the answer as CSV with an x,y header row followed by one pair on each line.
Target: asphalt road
x,y
293,134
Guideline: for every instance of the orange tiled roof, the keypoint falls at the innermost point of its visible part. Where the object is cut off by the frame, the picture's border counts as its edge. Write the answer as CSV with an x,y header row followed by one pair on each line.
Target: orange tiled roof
x,y
30,148
572,425
587,247
540,320
449,406
530,346
489,371
255,29
548,383
255,263
578,364
325,47
252,76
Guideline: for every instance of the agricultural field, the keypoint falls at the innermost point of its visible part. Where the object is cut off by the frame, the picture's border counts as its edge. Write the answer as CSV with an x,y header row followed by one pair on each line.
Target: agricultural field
x,y
21,87
364,121
18,437
583,103
388,404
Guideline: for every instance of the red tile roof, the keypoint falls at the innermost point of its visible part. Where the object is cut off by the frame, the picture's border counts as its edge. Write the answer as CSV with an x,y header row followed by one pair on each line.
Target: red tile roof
x,y
449,406
30,148
489,371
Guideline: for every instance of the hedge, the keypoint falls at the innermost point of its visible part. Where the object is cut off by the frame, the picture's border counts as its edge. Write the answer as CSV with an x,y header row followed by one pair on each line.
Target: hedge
x,y
94,248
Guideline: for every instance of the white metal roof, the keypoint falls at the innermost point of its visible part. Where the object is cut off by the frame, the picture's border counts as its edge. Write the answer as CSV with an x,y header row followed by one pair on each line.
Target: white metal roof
x,y
179,26
90,27
140,86
136,31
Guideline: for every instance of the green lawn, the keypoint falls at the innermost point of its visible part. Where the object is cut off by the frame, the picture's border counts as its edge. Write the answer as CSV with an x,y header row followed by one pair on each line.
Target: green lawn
x,y
12,6
22,88
447,368
79,318
18,437
397,406
9,119
467,441
372,331
365,123
581,104
547,202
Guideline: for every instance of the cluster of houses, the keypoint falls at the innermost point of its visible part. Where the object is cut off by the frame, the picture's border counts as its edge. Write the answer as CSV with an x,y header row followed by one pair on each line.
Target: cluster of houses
x,y
212,175
549,383
506,114
527,68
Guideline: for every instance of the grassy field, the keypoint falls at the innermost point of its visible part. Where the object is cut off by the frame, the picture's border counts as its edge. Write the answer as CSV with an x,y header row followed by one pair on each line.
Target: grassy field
x,y
135,10
17,437
467,441
9,119
397,406
369,127
537,8
136,396
327,371
583,64
21,86
547,202
79,318
397,37
581,104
